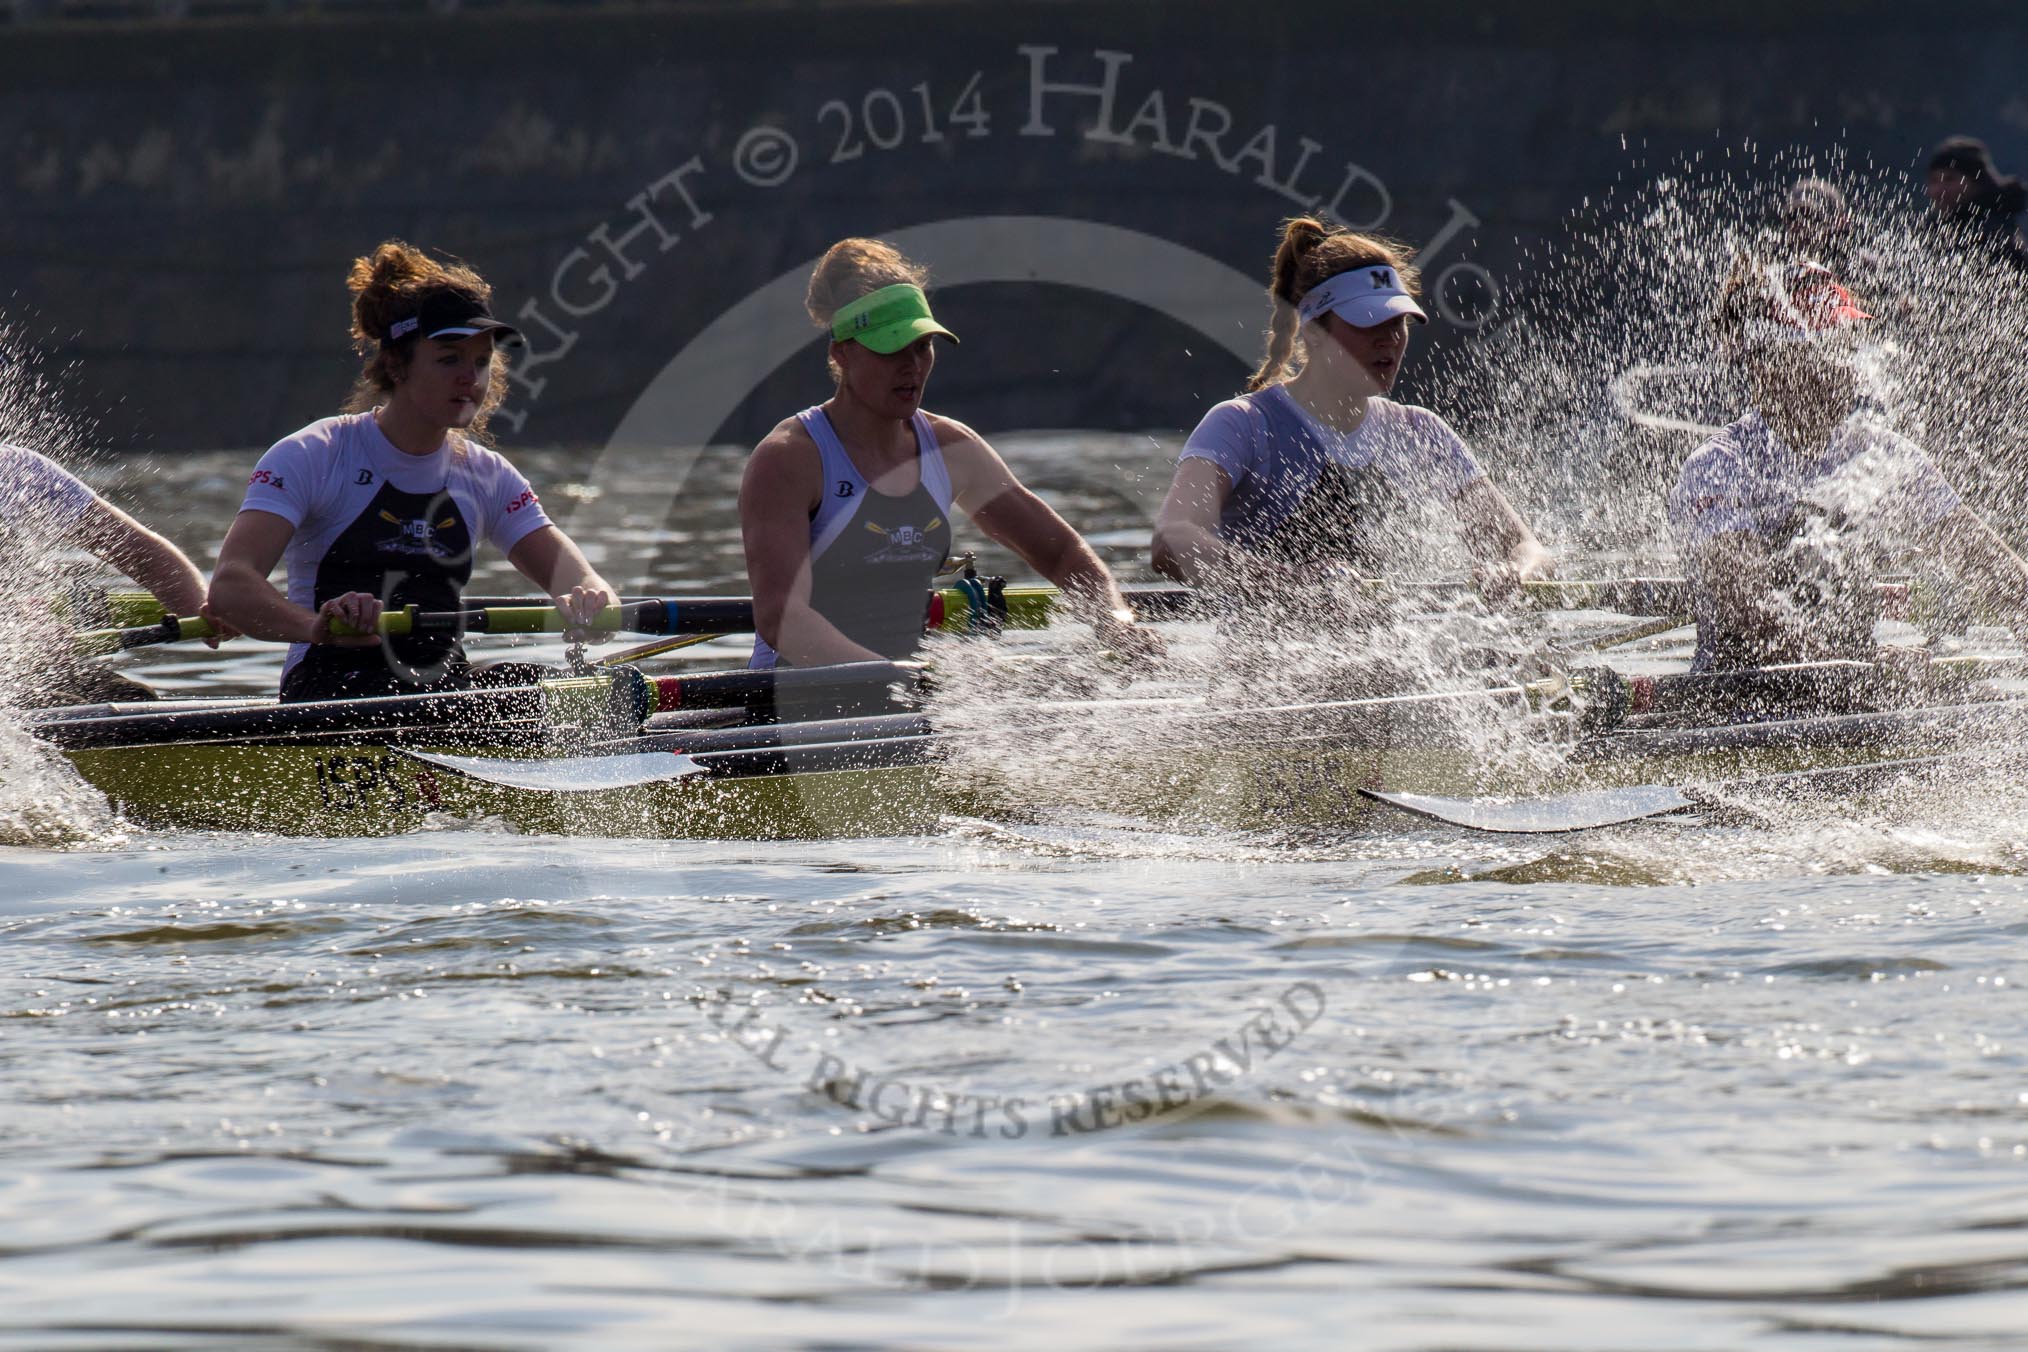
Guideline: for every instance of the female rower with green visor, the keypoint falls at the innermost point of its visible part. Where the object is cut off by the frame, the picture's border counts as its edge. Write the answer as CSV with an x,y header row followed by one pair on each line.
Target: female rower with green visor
x,y
846,508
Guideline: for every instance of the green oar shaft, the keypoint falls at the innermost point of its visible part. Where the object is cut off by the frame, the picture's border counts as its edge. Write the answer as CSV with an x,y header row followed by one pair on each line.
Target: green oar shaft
x,y
702,615
138,609
169,629
1027,608
649,616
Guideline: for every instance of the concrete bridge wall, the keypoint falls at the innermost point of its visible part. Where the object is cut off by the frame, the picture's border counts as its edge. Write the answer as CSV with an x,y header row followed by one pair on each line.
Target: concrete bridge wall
x,y
178,202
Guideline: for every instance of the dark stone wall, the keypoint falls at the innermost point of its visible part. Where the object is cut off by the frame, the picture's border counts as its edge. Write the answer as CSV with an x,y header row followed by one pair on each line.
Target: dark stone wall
x,y
178,203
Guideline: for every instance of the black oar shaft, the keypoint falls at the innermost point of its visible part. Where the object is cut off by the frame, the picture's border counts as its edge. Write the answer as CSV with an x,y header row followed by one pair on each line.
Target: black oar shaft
x,y
475,708
617,702
810,758
774,735
805,691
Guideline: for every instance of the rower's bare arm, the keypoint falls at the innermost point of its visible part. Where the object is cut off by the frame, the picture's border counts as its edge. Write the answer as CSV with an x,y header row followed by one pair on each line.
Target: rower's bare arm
x,y
777,497
1972,550
1004,508
552,561
1186,544
242,597
1009,513
141,554
1495,532
1505,549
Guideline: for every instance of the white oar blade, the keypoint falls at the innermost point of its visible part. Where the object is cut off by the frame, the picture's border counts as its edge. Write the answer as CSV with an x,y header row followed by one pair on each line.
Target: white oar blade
x,y
1543,816
569,774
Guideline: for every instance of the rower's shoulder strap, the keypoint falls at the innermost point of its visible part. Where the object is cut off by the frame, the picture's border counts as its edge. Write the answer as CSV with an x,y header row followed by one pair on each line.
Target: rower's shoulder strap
x,y
844,486
936,475
836,464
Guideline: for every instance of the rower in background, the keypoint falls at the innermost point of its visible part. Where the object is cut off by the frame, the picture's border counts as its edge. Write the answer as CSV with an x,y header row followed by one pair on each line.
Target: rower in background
x,y
44,505
846,508
1313,467
1787,515
384,505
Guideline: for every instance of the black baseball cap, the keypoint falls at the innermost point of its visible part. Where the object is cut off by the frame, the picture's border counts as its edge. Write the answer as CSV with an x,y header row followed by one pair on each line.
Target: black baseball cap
x,y
1966,154
452,314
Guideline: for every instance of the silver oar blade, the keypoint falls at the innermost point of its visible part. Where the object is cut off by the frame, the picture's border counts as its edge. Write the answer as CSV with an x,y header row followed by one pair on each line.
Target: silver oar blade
x,y
1543,816
569,774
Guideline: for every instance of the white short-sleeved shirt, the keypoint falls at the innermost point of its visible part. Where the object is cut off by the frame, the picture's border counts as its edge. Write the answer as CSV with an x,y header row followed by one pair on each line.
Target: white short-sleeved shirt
x,y
1868,475
39,497
1869,479
322,478
1273,451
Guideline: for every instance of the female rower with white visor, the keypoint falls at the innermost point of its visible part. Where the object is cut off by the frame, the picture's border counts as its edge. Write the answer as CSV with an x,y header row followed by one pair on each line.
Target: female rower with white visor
x,y
846,508
1313,467
1786,516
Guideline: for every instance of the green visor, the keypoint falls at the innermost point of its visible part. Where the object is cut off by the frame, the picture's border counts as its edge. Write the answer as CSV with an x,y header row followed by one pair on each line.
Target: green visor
x,y
888,320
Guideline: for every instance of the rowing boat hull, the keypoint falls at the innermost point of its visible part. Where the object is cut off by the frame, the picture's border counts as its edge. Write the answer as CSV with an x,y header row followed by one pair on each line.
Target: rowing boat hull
x,y
1174,762
375,789
372,787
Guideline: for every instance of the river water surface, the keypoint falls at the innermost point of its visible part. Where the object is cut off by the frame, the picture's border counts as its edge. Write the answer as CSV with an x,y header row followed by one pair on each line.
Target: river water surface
x,y
1072,1082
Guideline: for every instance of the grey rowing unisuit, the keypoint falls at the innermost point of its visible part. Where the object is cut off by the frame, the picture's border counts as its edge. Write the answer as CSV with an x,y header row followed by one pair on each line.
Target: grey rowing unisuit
x,y
873,556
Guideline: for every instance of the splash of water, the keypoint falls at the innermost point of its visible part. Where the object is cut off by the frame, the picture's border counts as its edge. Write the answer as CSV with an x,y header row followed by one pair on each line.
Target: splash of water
x,y
1605,374
1249,723
43,801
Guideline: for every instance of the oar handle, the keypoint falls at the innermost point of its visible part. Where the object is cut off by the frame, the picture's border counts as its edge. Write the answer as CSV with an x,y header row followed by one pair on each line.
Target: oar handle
x,y
169,629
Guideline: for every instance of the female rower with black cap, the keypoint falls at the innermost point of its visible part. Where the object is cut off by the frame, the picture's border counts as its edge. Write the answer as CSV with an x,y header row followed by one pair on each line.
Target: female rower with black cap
x,y
846,508
384,505
1314,467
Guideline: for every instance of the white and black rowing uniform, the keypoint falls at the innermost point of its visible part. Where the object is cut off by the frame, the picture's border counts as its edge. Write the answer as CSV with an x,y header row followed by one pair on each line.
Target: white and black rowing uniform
x,y
874,556
371,518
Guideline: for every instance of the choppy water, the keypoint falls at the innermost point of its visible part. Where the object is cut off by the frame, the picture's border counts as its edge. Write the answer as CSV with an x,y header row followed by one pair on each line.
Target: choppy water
x,y
1655,1088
